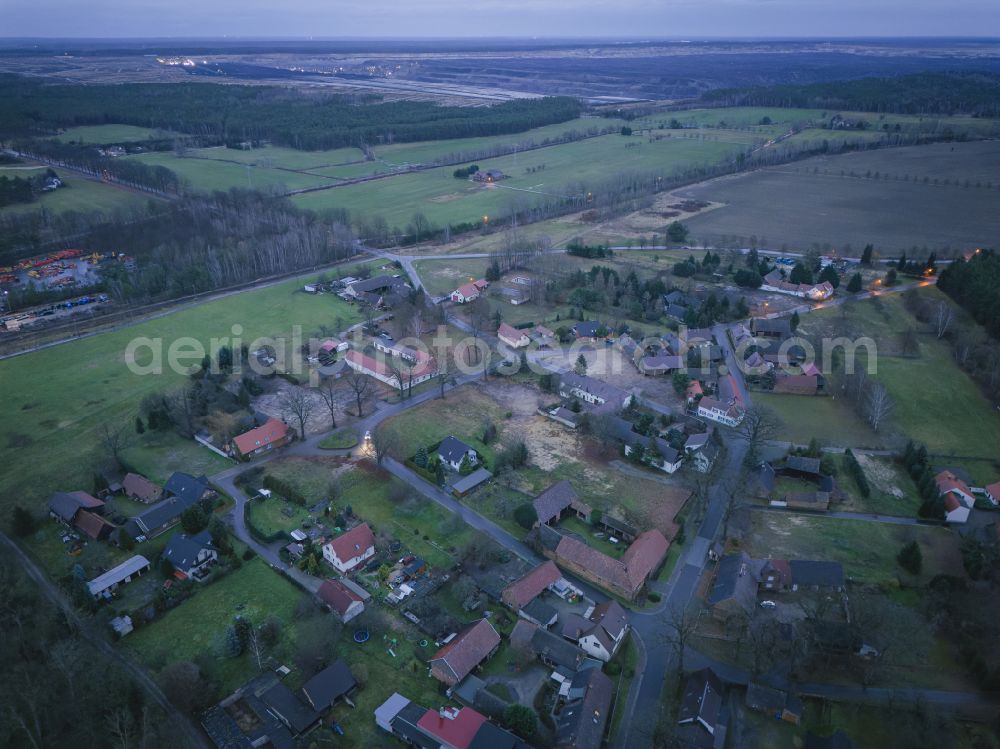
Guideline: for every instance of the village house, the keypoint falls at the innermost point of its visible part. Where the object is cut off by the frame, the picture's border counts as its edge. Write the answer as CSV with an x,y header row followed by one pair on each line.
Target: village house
x,y
543,336
512,336
523,591
452,451
626,576
380,291
774,702
332,346
557,499
141,489
800,384
188,488
992,492
739,578
778,327
107,583
589,330
81,511
582,721
489,176
669,459
704,458
447,728
382,372
469,292
191,556
816,292
958,497
727,408
350,549
273,433
552,650
464,653
182,490
700,718
602,633
592,391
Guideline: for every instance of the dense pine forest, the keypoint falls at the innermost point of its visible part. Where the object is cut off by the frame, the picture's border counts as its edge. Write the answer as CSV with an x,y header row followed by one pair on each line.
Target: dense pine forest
x,y
281,116
922,93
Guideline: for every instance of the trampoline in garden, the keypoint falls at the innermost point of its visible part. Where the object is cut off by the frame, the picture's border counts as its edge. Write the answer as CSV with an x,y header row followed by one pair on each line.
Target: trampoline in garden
x,y
361,635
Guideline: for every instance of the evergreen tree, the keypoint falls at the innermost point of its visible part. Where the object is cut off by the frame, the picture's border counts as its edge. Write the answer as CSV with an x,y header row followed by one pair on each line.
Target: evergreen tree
x,y
866,255
139,426
854,285
421,457
801,274
581,365
794,322
829,273
23,522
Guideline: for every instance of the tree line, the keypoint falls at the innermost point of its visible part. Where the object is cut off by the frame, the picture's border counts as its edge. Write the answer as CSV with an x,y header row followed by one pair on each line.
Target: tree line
x,y
255,113
921,93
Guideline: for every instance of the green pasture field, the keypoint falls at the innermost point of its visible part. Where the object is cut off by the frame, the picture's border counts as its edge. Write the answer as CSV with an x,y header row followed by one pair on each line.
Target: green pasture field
x,y
58,398
78,194
110,134
340,439
567,170
818,203
935,402
221,173
403,154
866,549
830,421
197,627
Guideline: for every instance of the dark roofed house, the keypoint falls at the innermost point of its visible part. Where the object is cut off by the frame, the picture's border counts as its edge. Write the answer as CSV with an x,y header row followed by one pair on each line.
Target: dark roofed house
x,y
452,450
774,702
589,330
191,555
490,736
796,465
593,391
163,515
187,487
540,613
141,489
63,506
551,503
297,716
465,652
551,649
779,327
816,575
333,683
734,588
581,723
701,712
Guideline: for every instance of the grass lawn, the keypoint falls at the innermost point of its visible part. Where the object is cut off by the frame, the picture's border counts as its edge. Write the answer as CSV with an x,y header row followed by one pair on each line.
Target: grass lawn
x,y
83,195
405,672
54,420
627,658
830,421
462,414
339,439
197,627
276,515
866,549
891,490
929,391
585,533
110,134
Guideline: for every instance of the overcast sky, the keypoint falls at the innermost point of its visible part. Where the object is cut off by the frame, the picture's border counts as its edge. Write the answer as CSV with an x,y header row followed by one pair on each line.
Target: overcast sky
x,y
518,18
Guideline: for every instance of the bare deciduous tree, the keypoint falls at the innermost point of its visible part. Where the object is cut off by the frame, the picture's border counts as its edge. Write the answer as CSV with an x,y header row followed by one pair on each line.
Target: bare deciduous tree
x,y
362,387
297,402
115,439
329,391
682,623
877,404
943,315
383,441
759,425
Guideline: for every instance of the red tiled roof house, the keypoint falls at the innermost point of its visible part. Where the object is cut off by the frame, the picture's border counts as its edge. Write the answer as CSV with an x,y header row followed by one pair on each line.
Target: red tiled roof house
x,y
460,657
350,549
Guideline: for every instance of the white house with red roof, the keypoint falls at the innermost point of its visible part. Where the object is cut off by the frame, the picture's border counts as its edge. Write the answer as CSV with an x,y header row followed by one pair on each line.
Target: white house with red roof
x,y
469,292
351,549
993,492
512,336
273,433
958,497
413,374
333,345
